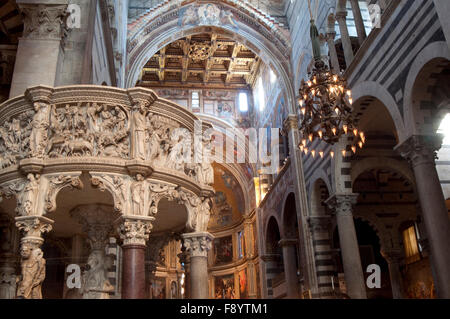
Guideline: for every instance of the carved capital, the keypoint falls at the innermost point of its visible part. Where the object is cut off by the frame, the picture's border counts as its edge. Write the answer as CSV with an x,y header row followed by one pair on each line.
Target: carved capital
x,y
319,223
342,204
291,123
420,149
97,222
197,244
33,227
134,230
393,256
287,242
44,21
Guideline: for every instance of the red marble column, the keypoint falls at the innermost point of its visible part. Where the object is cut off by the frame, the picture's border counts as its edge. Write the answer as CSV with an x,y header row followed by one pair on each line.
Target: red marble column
x,y
134,232
133,275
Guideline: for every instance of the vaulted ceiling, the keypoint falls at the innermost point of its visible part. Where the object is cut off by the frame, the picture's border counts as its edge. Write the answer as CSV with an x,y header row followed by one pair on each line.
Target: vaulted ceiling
x,y
199,61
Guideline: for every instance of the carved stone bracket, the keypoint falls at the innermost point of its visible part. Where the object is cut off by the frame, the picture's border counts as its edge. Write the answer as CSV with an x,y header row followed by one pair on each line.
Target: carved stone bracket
x,y
393,256
420,149
197,244
117,185
134,230
56,183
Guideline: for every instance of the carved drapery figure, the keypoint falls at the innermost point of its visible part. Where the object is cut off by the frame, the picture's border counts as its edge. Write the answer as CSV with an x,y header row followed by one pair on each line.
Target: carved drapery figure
x,y
139,130
94,282
138,195
27,198
33,272
39,134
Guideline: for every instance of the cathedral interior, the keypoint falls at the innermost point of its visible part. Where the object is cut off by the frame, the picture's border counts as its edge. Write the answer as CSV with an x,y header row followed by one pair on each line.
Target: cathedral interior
x,y
163,149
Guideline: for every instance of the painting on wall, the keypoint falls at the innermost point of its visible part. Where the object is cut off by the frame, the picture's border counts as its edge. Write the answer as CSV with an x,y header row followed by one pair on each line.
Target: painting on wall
x,y
158,288
243,290
223,250
418,280
224,287
228,202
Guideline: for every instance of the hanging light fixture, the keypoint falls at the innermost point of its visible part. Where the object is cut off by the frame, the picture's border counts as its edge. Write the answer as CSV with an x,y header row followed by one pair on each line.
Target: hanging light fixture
x,y
325,103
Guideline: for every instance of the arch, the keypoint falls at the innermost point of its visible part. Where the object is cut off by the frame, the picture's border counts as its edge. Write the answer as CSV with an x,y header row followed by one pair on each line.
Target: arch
x,y
272,47
319,174
272,236
375,90
435,50
363,165
289,217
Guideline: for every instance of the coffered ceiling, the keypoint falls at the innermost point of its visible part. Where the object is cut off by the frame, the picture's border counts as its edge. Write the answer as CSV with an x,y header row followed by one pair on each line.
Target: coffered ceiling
x,y
205,60
11,24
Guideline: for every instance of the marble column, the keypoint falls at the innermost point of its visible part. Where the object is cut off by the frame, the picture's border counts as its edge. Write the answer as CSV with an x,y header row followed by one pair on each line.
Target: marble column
x,y
32,261
290,266
197,245
8,258
394,258
354,277
341,17
359,23
331,35
134,232
306,249
421,152
40,46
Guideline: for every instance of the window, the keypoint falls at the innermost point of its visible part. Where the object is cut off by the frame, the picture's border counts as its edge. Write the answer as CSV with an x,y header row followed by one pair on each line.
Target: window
x,y
260,95
243,102
412,253
273,77
351,20
444,129
195,100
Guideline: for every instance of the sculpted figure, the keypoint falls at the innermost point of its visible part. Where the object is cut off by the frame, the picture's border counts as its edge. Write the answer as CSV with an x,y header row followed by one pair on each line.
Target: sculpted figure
x,y
33,273
205,173
140,127
120,119
137,195
204,212
27,199
39,134
94,282
91,113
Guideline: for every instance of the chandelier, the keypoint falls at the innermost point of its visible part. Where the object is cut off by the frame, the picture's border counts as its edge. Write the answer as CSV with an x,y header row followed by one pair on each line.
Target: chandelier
x,y
325,103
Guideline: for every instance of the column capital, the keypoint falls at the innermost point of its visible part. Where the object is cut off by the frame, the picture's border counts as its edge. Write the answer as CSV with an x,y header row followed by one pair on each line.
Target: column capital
x,y
291,123
287,242
33,227
44,19
392,256
319,223
420,149
342,203
97,222
134,230
197,244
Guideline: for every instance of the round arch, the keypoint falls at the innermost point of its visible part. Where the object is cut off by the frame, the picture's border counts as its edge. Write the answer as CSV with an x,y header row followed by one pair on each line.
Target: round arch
x,y
249,30
377,91
435,50
363,165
